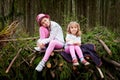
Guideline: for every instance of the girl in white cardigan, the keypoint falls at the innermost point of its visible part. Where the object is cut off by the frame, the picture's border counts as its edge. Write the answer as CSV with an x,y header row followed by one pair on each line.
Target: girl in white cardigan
x,y
51,34
73,42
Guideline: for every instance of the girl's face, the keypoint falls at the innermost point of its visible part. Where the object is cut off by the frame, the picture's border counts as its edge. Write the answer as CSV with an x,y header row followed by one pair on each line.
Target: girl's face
x,y
45,22
73,29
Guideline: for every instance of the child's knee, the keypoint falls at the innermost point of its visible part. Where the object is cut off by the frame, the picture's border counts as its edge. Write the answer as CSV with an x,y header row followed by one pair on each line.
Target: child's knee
x,y
53,42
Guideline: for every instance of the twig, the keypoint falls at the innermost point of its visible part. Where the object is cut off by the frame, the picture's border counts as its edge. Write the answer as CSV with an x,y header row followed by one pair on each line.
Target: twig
x,y
32,59
52,74
101,74
110,75
55,61
7,70
31,54
31,49
25,61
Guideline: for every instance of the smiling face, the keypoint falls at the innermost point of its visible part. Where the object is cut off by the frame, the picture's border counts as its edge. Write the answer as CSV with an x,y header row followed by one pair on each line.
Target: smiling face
x,y
73,29
45,22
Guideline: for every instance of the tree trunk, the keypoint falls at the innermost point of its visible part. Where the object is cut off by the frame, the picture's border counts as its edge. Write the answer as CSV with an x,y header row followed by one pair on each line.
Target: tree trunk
x,y
87,11
2,14
29,21
73,10
98,12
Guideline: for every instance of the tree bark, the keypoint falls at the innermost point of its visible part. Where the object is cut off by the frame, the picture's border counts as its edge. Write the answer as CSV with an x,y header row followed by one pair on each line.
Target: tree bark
x,y
2,14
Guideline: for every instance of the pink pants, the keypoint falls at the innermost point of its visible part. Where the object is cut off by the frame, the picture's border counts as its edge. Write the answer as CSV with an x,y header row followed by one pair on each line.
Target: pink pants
x,y
53,44
72,49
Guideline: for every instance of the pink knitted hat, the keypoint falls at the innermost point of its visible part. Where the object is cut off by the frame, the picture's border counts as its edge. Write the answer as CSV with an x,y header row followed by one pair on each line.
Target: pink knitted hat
x,y
40,17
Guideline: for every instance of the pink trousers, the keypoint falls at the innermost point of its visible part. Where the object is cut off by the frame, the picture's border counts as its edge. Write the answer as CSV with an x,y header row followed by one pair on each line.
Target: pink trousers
x,y
72,49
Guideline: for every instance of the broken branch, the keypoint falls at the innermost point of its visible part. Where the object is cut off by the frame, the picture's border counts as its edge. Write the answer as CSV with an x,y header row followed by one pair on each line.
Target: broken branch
x,y
112,62
7,70
99,70
105,47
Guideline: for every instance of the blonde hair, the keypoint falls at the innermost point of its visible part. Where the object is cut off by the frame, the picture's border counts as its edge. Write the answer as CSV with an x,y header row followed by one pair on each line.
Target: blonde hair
x,y
78,27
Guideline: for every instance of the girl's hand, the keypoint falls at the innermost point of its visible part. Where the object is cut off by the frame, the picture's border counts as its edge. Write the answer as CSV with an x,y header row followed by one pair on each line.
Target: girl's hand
x,y
70,42
41,45
76,43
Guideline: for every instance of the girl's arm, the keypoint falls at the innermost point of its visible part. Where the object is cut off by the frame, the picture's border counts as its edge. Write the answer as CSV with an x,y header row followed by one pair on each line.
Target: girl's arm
x,y
68,39
54,31
41,32
77,41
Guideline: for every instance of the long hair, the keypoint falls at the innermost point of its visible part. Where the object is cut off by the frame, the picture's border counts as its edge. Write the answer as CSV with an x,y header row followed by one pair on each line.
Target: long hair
x,y
78,28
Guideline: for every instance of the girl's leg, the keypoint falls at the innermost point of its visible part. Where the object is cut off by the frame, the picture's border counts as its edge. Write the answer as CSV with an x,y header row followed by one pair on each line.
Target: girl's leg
x,y
44,33
73,55
80,55
54,44
79,51
67,50
72,52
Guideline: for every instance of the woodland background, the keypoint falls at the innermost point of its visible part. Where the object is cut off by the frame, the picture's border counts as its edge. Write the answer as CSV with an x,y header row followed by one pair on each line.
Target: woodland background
x,y
99,19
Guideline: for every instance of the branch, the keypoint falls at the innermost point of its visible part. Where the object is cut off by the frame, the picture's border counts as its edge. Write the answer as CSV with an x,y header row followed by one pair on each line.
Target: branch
x,y
112,62
105,47
33,55
99,70
25,61
32,60
110,75
7,70
21,39
59,50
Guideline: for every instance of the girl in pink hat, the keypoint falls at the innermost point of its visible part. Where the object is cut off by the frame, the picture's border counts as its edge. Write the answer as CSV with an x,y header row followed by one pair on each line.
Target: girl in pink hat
x,y
50,33
73,42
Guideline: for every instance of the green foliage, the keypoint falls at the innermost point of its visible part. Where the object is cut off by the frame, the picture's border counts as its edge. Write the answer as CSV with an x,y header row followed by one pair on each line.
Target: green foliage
x,y
104,34
66,71
22,71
